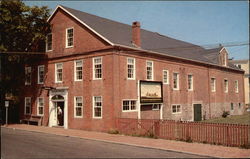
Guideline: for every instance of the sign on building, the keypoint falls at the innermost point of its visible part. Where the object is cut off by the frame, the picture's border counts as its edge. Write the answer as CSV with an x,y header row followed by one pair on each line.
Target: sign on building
x,y
151,92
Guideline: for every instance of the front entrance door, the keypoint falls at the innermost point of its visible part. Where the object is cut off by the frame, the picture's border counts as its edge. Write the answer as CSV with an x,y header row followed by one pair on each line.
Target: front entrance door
x,y
60,113
197,112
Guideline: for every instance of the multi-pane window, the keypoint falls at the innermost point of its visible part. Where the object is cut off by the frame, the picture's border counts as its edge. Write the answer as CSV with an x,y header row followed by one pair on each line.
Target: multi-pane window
x,y
165,77
236,86
78,107
27,105
176,108
156,106
97,106
149,70
49,42
176,81
131,68
232,106
190,82
40,74
27,75
226,85
128,105
59,72
78,70
97,67
69,37
213,84
40,106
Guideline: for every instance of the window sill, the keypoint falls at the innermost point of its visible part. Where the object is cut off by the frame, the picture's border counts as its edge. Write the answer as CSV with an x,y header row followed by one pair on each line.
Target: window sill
x,y
127,111
78,117
97,117
67,47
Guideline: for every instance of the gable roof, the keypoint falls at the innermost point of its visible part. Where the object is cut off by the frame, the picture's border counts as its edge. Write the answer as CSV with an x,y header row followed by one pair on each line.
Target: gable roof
x,y
116,33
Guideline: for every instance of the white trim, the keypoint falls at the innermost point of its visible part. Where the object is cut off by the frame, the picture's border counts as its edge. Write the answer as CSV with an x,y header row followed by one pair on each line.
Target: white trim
x,y
152,71
93,66
56,80
37,105
138,99
163,77
176,109
38,74
75,107
66,38
236,83
93,109
136,109
161,112
80,22
192,82
75,70
47,42
178,81
134,64
25,105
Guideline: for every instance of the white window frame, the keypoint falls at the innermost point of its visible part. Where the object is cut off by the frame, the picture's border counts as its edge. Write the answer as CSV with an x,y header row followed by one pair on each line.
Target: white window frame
x,y
152,70
165,80
236,82
38,106
56,69
94,106
25,105
176,109
76,106
67,46
75,69
134,69
213,89
94,69
47,50
156,108
28,69
192,82
178,81
225,85
130,100
38,74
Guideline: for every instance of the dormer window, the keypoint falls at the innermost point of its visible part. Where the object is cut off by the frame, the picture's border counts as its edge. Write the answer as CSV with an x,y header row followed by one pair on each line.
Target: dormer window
x,y
49,42
69,37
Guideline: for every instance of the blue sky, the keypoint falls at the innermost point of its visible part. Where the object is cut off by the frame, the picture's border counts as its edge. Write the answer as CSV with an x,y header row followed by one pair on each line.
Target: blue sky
x,y
199,22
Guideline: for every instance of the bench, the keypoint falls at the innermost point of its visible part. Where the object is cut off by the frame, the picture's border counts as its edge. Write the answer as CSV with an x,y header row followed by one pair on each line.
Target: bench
x,y
33,119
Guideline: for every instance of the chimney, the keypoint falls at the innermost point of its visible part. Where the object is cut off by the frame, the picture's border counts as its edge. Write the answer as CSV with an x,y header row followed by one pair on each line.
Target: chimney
x,y
136,34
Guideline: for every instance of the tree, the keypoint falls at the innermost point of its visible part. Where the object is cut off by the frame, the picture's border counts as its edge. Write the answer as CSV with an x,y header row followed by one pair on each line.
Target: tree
x,y
23,29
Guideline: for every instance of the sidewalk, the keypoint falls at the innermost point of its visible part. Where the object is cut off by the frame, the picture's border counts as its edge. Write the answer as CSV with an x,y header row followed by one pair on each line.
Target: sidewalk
x,y
193,148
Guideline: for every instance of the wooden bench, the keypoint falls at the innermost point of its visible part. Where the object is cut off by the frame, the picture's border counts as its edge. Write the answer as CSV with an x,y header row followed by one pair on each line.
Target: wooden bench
x,y
33,119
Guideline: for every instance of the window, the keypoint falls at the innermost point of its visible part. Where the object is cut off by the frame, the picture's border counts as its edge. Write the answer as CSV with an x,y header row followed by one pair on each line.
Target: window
x,y
239,105
149,70
236,86
176,109
59,72
176,81
78,107
238,65
225,85
97,68
69,37
78,70
97,112
40,76
131,68
128,105
27,75
190,82
165,77
40,106
49,42
27,105
213,84
156,106
232,106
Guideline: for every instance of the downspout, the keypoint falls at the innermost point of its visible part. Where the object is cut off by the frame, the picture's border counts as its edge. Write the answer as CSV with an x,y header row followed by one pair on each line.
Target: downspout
x,y
209,91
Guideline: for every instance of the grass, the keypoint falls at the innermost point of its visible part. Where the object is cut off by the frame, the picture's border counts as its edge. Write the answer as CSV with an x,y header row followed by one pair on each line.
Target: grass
x,y
232,119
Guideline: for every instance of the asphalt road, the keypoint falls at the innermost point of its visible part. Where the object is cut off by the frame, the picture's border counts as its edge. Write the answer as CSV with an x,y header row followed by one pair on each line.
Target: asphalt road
x,y
24,144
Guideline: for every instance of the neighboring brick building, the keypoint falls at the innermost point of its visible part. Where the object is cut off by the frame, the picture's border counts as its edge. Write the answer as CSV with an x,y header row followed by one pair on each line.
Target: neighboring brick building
x,y
98,70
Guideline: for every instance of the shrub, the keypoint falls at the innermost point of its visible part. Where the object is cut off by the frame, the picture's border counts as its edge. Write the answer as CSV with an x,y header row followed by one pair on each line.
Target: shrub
x,y
225,114
113,131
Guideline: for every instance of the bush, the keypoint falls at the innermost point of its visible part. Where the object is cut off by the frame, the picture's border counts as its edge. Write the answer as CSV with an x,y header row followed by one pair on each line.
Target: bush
x,y
113,131
225,114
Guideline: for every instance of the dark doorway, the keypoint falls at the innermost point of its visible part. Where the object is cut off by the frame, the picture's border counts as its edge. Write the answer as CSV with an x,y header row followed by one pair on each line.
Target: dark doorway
x,y
197,112
60,113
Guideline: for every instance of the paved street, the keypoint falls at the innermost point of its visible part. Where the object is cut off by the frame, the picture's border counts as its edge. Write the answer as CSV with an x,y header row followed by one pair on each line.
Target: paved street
x,y
25,144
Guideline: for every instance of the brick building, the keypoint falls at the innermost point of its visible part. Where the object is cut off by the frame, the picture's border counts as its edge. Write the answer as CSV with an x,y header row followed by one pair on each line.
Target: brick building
x,y
97,70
